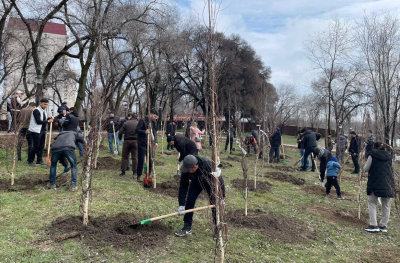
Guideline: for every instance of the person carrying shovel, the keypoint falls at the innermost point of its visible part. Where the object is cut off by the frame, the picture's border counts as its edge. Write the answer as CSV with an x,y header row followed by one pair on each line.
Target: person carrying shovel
x,y
196,176
112,123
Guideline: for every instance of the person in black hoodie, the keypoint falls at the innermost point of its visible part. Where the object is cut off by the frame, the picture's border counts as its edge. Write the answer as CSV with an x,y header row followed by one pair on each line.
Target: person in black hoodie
x,y
229,138
276,141
71,123
112,124
142,129
130,146
171,129
196,176
380,184
354,151
310,143
324,156
183,145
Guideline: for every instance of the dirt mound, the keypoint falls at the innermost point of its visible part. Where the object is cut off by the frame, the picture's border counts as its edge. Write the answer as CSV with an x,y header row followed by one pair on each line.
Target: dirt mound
x,y
158,163
234,158
262,187
104,148
284,168
285,178
108,163
320,191
335,215
30,182
119,231
225,165
278,228
171,189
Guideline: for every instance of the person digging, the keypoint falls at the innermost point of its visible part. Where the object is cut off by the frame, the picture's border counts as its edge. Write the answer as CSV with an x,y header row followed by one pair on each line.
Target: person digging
x,y
324,156
183,145
196,176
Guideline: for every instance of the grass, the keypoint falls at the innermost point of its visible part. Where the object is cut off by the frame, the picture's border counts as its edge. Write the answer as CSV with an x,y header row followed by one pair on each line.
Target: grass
x,y
25,217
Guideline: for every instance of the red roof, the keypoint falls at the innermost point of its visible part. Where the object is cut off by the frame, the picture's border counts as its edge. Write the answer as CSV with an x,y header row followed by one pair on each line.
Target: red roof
x,y
52,28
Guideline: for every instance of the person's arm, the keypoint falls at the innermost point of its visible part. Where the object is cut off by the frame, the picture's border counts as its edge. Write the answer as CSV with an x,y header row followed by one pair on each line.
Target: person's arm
x,y
182,153
121,131
201,132
367,165
80,138
36,115
183,189
140,128
221,181
337,165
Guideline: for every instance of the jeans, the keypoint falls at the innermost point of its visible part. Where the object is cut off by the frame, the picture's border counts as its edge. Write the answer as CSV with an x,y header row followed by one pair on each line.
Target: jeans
x,y
194,191
272,151
332,181
129,146
372,202
227,143
39,140
307,152
301,151
142,151
111,141
24,133
80,147
71,157
355,161
9,120
254,146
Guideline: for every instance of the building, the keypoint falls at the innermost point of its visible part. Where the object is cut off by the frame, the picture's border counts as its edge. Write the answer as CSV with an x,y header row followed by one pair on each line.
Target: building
x,y
60,85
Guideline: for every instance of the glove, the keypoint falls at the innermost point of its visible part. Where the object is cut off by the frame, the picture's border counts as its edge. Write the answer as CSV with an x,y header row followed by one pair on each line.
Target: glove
x,y
111,122
180,210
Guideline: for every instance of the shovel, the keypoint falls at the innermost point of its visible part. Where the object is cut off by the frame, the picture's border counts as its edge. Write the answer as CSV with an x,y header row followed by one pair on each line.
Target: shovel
x,y
299,161
115,141
178,172
48,148
147,181
170,215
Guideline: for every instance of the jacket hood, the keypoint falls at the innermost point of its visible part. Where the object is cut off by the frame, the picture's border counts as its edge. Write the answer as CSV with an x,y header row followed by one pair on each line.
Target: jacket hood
x,y
74,113
307,132
381,155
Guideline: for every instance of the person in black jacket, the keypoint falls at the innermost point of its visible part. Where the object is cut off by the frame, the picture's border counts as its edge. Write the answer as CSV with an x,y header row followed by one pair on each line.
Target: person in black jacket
x,y
196,176
310,143
324,156
354,151
276,141
229,138
142,130
369,144
112,124
380,184
171,129
183,145
64,147
300,145
71,123
130,146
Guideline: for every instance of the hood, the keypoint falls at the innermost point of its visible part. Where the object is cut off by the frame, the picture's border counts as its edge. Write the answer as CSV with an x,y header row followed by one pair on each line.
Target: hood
x,y
372,138
75,114
381,155
307,132
321,152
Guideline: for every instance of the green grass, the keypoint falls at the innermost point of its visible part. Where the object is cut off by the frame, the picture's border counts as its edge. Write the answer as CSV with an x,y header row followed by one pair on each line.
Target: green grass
x,y
26,216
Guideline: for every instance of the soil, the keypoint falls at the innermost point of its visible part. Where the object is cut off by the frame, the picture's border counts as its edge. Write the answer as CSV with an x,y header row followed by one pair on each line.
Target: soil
x,y
234,158
262,187
30,182
171,189
104,148
334,215
225,165
108,163
119,232
320,191
285,178
284,168
277,228
158,163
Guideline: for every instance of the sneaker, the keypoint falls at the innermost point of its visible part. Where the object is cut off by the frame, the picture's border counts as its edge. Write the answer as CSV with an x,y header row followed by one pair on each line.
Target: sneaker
x,y
73,188
51,186
31,164
372,229
122,174
383,229
66,169
42,163
183,232
138,179
340,198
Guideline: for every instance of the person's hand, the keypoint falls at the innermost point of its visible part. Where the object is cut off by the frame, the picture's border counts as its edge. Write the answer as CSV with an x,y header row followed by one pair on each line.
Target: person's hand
x,y
111,122
354,154
50,120
180,210
28,99
168,135
156,145
147,131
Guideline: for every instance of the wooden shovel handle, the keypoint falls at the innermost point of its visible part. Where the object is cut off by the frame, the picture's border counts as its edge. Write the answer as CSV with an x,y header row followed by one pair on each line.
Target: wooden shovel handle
x,y
48,148
183,212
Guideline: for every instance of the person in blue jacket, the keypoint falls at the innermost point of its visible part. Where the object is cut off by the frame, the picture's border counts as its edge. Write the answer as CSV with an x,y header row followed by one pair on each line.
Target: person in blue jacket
x,y
333,168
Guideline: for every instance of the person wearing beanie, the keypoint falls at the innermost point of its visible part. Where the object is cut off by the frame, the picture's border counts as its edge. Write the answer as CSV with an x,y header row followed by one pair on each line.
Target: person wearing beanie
x,y
333,168
276,141
324,156
183,145
196,176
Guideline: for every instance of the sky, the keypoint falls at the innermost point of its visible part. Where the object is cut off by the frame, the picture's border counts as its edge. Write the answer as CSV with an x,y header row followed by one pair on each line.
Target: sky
x,y
277,29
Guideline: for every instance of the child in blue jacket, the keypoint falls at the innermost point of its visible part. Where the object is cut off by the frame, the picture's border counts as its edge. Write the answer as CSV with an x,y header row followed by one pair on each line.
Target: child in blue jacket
x,y
333,168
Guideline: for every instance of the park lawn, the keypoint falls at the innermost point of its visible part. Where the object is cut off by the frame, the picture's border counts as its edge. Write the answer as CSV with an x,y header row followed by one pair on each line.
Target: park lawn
x,y
26,218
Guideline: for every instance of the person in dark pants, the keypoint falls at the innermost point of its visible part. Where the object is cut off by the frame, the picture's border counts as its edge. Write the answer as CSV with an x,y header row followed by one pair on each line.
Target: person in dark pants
x,y
183,145
330,142
300,143
187,131
341,146
171,129
310,142
250,141
23,132
64,148
37,129
369,144
71,123
229,138
142,130
276,141
333,168
112,125
324,156
354,151
128,130
196,177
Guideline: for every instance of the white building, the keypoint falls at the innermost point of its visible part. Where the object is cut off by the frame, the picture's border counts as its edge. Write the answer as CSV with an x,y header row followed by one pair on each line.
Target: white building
x,y
59,86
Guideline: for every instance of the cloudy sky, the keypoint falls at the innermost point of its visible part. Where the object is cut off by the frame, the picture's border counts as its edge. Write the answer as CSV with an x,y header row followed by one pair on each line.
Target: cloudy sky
x,y
277,28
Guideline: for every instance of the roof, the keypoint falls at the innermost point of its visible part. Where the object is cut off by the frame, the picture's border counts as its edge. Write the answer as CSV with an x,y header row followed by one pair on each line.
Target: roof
x,y
52,28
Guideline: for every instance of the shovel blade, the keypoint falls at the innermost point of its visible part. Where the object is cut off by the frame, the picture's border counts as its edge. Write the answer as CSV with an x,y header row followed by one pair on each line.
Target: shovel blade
x,y
147,182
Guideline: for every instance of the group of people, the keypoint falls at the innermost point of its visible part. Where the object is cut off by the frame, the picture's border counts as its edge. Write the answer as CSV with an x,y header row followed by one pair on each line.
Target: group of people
x,y
378,166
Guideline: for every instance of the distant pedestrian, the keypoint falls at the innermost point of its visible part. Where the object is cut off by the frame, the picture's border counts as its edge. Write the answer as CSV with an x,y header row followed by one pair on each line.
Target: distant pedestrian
x,y
23,132
229,138
354,151
276,141
170,131
112,126
195,135
333,168
130,145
